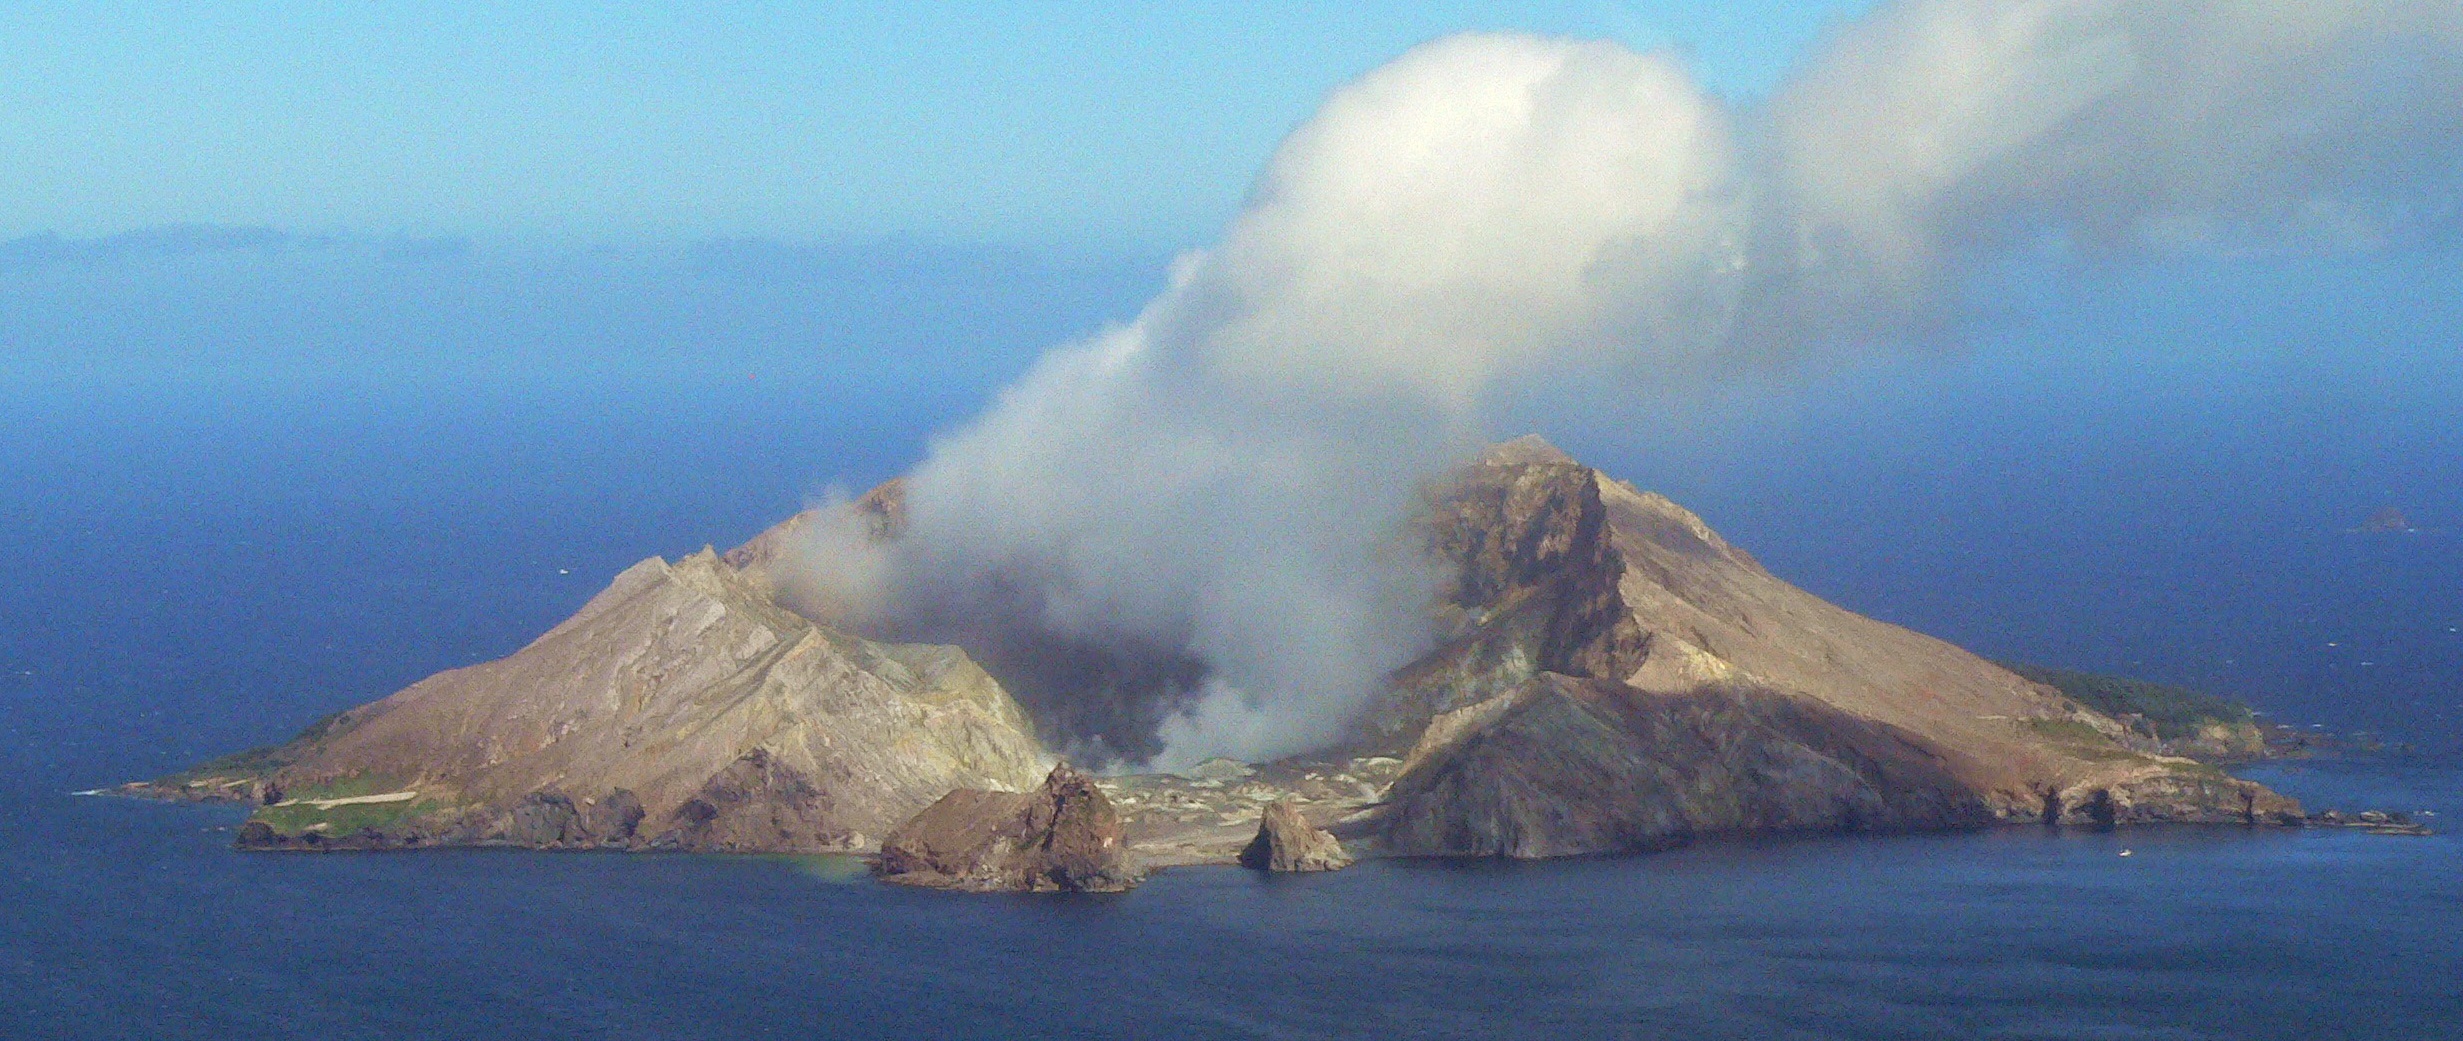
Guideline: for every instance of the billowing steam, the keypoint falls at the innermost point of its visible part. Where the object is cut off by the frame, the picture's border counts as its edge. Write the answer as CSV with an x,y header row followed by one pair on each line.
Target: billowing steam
x,y
1184,538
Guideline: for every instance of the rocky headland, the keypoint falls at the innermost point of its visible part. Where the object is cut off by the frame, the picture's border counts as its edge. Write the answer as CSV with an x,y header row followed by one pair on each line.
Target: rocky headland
x,y
682,708
1612,677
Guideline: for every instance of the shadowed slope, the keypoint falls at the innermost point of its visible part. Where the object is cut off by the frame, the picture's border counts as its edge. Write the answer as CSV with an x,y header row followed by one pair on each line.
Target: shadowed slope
x,y
1620,677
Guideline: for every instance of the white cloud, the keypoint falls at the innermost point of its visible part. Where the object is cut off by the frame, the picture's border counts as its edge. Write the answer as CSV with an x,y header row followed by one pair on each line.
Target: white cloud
x,y
1223,480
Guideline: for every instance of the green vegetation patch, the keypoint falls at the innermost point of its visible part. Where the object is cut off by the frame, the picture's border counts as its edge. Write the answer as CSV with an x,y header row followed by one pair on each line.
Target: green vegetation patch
x,y
299,818
833,868
2176,713
351,787
262,761
2068,730
2202,771
298,812
2081,740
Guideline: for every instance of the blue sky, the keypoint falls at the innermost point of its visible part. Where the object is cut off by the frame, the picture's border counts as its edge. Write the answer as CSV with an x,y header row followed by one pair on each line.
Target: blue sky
x,y
1056,126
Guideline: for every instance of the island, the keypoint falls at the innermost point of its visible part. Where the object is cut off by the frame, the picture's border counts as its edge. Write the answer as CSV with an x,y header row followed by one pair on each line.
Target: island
x,y
1613,677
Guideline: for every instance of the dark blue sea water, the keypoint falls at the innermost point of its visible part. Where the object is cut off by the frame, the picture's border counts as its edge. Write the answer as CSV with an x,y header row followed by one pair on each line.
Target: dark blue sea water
x,y
190,576
203,563
131,920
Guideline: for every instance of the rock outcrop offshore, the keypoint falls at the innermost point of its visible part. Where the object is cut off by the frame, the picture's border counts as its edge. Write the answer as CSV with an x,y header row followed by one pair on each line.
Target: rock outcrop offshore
x,y
1612,676
1062,837
1286,841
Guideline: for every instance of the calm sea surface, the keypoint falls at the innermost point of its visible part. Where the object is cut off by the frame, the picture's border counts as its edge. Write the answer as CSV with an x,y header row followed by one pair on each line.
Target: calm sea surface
x,y
193,575
131,920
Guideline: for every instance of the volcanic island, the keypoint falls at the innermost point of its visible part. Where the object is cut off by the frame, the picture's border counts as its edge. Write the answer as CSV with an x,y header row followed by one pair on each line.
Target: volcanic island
x,y
1611,677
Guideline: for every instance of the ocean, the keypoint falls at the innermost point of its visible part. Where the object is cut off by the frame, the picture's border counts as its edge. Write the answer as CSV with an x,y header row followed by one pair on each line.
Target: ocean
x,y
136,920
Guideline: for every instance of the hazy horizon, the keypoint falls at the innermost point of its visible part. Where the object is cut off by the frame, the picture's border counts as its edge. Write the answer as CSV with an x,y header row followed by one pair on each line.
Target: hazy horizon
x,y
343,347
1980,409
2077,507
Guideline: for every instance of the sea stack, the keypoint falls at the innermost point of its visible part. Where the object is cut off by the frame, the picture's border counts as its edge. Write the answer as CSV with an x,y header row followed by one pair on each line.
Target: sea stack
x,y
1286,841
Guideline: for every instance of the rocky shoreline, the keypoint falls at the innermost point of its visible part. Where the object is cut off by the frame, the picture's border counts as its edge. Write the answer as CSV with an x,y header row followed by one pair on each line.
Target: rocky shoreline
x,y
1294,816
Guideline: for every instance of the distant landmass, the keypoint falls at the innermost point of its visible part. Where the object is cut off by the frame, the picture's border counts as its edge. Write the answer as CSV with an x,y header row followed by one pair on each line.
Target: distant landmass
x,y
1614,677
2391,520
2387,518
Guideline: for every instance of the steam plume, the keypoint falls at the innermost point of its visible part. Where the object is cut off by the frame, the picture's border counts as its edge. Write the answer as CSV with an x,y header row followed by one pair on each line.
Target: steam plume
x,y
1182,538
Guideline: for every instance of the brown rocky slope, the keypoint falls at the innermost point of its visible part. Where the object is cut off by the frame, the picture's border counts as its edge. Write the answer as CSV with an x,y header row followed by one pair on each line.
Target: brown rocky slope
x,y
1619,677
680,708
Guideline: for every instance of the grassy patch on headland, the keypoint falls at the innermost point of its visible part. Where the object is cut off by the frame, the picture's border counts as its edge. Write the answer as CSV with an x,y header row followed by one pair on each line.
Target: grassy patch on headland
x,y
300,818
2081,740
261,761
2175,712
351,787
299,813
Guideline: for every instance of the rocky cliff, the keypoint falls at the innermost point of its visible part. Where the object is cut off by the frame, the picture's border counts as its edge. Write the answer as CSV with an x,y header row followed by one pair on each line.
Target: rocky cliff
x,y
1619,677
